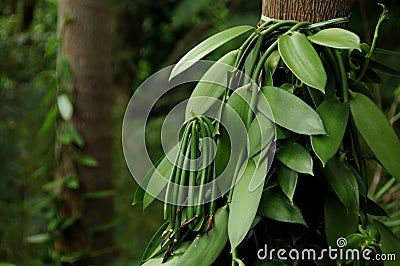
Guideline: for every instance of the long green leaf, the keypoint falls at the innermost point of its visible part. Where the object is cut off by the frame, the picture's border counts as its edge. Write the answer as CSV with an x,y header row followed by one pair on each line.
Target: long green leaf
x,y
377,132
163,170
290,112
339,222
390,242
154,245
334,116
261,132
239,101
210,88
203,250
244,204
302,59
336,38
343,182
276,206
296,157
287,179
206,47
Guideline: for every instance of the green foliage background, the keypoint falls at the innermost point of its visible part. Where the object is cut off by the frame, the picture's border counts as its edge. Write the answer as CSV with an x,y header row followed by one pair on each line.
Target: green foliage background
x,y
148,36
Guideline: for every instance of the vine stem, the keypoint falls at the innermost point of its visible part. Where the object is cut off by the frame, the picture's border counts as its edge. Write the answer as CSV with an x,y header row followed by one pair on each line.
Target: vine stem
x,y
343,77
234,256
382,18
354,135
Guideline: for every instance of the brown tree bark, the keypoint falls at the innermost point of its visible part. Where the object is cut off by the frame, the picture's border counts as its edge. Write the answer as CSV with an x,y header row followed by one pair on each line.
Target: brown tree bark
x,y
85,29
306,10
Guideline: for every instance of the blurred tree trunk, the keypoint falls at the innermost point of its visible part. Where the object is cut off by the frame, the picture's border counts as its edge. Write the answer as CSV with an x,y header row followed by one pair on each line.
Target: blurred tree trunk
x,y
306,10
85,29
28,8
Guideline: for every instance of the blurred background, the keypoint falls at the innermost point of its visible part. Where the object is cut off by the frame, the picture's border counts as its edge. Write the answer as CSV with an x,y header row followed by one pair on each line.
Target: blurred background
x,y
147,36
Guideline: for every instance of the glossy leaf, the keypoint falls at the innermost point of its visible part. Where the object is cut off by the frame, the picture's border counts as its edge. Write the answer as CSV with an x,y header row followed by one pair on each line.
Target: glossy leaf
x,y
244,204
377,132
390,242
210,244
290,112
377,65
163,170
261,132
302,59
139,195
334,116
287,179
336,38
210,85
374,208
239,101
155,243
343,182
296,157
339,222
178,253
206,47
276,206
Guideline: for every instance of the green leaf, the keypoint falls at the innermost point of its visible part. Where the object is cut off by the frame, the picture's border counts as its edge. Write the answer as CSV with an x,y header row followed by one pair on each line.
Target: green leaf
x,y
154,246
290,112
377,66
343,182
296,157
374,208
276,206
334,116
336,38
203,250
139,195
163,171
86,160
210,85
287,179
261,132
302,59
390,242
206,47
339,222
239,101
65,69
179,250
65,107
50,119
39,238
377,132
273,61
244,204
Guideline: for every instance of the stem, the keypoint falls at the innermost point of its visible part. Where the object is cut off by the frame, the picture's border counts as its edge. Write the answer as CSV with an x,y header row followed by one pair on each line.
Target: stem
x,y
345,87
256,74
234,256
382,18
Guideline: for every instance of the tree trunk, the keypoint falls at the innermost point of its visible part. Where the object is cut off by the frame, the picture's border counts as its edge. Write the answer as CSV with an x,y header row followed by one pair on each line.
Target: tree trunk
x,y
305,10
85,29
28,8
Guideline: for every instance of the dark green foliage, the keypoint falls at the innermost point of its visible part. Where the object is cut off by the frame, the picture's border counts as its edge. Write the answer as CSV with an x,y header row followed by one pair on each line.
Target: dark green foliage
x,y
324,116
